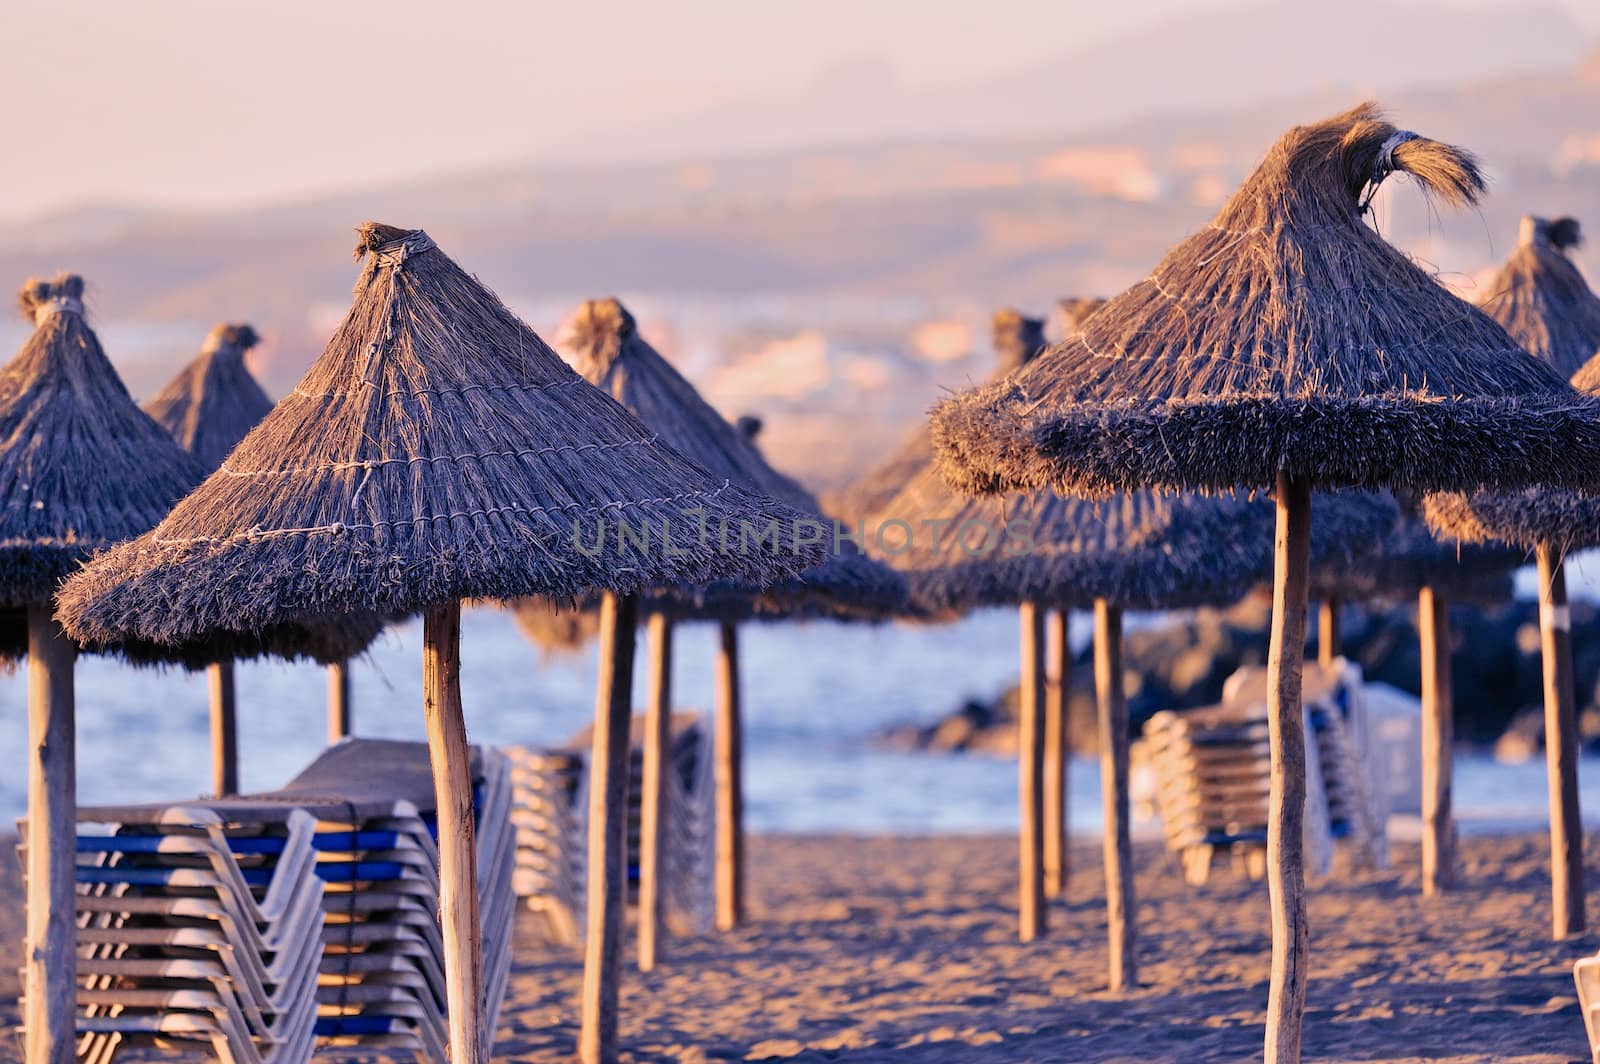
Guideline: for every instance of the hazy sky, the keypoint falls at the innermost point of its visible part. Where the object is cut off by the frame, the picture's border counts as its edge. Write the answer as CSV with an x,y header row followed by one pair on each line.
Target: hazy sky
x,y
194,102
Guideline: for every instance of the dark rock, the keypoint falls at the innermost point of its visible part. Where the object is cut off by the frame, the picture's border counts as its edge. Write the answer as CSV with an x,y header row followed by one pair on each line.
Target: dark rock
x,y
1184,661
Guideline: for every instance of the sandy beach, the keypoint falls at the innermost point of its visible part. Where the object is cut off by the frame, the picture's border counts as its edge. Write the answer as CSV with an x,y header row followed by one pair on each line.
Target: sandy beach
x,y
903,949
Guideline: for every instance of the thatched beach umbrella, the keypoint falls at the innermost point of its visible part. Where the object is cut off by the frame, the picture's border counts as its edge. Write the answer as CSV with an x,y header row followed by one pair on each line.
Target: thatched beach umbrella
x,y
1410,562
208,407
1541,299
439,450
80,469
1285,345
1142,551
1016,339
213,401
1551,524
1545,304
613,356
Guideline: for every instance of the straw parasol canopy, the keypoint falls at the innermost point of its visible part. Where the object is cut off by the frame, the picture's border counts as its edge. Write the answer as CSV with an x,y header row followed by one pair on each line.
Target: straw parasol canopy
x,y
1562,521
1541,298
1546,306
1142,551
84,468
1568,522
614,357
81,467
1017,339
1410,558
437,450
213,401
1285,337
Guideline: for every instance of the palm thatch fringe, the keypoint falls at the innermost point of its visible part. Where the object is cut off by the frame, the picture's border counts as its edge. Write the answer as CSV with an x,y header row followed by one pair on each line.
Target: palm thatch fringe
x,y
1284,337
1541,299
213,401
1569,522
1143,550
1410,558
437,450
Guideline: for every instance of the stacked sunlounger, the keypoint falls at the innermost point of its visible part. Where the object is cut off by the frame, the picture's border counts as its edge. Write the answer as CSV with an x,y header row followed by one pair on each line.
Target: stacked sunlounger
x,y
552,814
382,978
352,838
549,832
1345,742
1586,973
1213,768
198,931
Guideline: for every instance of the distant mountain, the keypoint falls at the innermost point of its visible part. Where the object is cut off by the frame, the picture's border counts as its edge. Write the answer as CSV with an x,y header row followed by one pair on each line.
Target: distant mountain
x,y
1187,62
835,263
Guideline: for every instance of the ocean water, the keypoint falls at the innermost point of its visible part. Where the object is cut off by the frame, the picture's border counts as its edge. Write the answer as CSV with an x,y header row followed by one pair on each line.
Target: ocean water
x,y
813,692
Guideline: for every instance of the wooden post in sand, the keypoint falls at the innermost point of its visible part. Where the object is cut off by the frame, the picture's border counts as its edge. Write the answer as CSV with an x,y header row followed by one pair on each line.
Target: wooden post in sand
x,y
1560,747
608,830
1327,631
653,802
1031,918
1438,744
50,962
1057,749
1111,699
458,850
338,701
1286,803
729,772
224,729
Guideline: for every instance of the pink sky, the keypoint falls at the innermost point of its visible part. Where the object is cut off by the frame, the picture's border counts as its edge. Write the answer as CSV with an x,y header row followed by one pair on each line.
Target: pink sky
x,y
192,102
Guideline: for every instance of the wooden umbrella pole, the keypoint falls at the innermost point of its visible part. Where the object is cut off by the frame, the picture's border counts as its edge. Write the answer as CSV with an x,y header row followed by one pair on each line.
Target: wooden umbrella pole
x,y
1560,747
1438,744
1031,919
1057,749
729,771
224,729
653,802
50,963
1286,880
608,830
338,701
458,850
1327,631
1121,922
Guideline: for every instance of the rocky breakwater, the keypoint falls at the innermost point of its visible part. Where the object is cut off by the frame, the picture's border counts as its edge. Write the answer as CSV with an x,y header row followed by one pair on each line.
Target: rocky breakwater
x,y
1182,660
